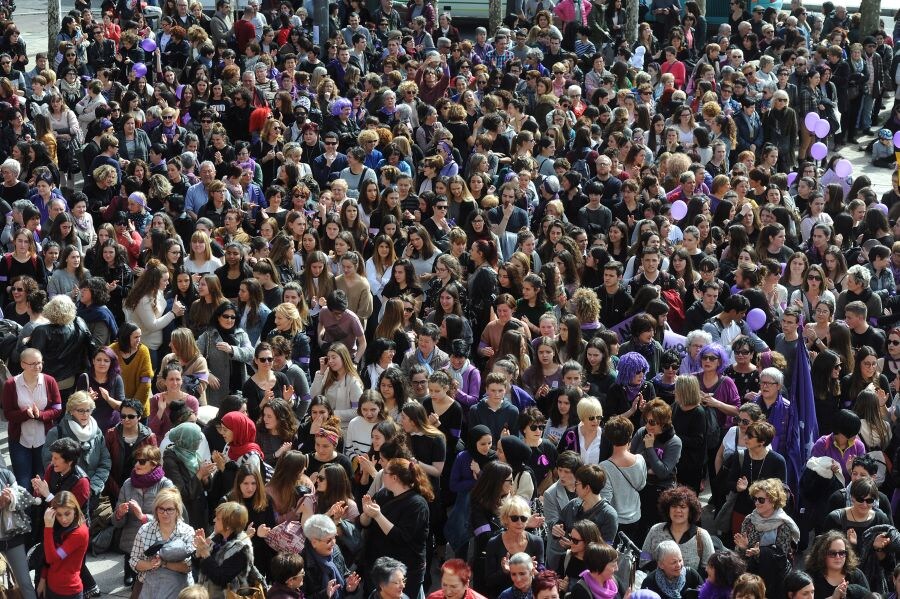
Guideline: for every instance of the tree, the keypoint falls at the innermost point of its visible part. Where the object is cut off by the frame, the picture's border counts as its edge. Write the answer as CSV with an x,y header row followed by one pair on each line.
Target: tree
x,y
869,11
631,21
495,15
53,25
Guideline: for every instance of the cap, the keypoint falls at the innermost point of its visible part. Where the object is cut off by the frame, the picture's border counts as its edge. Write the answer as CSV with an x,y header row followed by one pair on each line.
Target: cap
x,y
884,134
869,41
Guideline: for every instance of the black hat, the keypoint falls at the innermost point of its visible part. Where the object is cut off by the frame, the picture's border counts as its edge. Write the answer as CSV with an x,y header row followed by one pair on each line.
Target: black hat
x,y
869,40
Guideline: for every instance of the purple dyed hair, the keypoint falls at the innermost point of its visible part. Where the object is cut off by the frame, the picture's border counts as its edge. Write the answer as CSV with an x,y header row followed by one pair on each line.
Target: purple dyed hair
x,y
338,105
715,348
629,365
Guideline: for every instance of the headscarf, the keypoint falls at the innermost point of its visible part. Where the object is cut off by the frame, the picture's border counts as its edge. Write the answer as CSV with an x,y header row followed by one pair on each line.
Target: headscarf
x,y
243,435
475,434
227,335
518,455
185,440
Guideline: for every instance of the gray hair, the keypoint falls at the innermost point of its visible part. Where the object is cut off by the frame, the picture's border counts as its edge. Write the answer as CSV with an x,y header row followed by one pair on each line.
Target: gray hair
x,y
861,274
11,164
319,526
666,549
773,373
21,205
535,53
384,568
698,334
207,163
765,60
481,30
521,559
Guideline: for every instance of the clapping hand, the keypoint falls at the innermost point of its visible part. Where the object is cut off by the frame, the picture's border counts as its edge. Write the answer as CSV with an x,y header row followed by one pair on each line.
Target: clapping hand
x,y
370,507
40,486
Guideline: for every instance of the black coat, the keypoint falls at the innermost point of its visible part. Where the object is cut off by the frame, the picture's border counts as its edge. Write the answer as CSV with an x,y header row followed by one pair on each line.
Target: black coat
x,y
409,513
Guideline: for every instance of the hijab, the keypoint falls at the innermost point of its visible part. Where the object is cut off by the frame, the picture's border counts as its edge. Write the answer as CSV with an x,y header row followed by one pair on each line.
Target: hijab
x,y
475,435
518,455
227,335
185,440
243,435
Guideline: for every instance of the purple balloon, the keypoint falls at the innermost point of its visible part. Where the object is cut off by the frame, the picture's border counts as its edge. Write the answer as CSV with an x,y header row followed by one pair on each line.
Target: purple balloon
x,y
756,319
897,139
823,128
139,69
791,178
148,45
679,209
811,120
843,168
882,207
819,150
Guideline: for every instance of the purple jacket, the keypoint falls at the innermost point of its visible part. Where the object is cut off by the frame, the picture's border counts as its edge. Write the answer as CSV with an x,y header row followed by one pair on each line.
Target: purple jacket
x,y
468,393
825,447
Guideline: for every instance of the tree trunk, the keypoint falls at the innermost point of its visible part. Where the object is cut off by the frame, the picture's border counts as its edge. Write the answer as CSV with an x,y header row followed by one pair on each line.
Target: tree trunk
x,y
631,21
53,25
869,11
495,15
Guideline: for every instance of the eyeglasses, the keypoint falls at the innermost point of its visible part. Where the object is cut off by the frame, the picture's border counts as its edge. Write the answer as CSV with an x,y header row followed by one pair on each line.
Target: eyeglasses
x,y
767,383
760,500
869,500
266,359
709,358
417,383
84,410
33,364
166,510
228,316
129,416
537,427
841,553
575,541
519,518
744,422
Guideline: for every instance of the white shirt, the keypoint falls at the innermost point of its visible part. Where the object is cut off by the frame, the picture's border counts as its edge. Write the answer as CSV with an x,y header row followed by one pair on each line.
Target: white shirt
x,y
33,433
590,454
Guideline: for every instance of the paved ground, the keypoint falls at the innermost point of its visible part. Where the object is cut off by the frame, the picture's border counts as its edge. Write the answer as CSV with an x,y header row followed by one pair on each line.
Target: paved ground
x,y
31,17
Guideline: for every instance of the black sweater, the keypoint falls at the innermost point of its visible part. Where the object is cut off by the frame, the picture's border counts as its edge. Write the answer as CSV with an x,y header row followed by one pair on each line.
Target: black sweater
x,y
409,514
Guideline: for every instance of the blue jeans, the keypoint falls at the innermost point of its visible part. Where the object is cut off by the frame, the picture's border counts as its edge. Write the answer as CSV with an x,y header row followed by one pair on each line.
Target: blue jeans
x,y
26,463
864,120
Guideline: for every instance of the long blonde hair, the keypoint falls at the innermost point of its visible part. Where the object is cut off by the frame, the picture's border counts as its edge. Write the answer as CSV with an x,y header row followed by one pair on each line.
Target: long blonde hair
x,y
207,252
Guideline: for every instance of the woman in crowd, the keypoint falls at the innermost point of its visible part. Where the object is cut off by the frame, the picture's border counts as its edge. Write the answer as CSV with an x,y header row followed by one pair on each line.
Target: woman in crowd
x,y
146,307
163,573
327,574
680,510
65,544
227,350
514,516
661,448
672,577
190,476
135,366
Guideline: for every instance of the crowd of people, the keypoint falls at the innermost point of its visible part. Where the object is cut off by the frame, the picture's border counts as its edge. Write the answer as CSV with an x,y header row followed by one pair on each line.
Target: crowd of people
x,y
400,312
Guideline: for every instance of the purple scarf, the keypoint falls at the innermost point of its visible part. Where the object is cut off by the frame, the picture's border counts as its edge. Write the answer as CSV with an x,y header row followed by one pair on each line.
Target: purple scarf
x,y
607,591
145,481
713,591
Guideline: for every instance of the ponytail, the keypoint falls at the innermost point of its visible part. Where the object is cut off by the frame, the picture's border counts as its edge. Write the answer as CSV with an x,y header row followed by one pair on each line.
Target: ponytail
x,y
411,474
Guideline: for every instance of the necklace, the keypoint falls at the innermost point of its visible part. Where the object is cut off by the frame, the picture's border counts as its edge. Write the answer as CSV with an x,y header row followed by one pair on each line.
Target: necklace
x,y
761,464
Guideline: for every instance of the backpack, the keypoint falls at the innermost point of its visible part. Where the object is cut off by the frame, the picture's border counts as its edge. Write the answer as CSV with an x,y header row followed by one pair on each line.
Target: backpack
x,y
580,165
676,316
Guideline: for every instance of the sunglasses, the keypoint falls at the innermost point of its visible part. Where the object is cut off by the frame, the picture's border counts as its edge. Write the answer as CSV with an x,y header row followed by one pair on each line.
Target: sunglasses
x,y
744,422
869,500
760,500
813,278
129,416
519,518
670,367
742,352
841,553
890,342
266,359
330,143
228,316
141,461
651,422
710,358
537,427
593,418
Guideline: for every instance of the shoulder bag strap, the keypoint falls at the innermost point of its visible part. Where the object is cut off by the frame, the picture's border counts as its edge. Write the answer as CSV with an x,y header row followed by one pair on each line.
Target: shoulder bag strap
x,y
623,476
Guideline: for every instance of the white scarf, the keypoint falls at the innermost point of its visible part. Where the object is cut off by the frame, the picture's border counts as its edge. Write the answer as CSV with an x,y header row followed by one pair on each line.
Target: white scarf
x,y
83,433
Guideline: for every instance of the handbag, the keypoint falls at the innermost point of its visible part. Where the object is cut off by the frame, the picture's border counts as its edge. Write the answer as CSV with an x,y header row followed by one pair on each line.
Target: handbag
x,y
629,553
722,522
287,537
253,592
9,588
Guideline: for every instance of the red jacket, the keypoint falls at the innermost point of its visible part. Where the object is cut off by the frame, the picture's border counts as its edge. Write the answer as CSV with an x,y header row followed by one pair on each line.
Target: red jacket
x,y
17,415
118,455
64,561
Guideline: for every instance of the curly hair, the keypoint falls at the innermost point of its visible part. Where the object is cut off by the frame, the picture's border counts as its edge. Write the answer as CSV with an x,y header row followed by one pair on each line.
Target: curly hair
x,y
774,490
586,305
817,559
680,496
60,310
